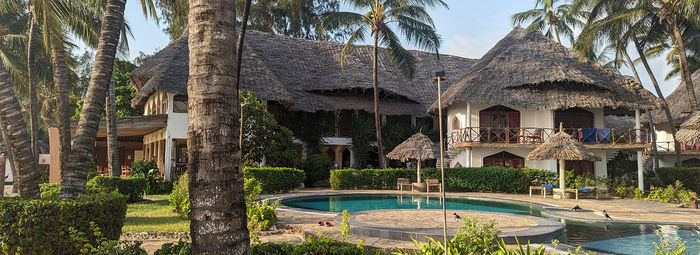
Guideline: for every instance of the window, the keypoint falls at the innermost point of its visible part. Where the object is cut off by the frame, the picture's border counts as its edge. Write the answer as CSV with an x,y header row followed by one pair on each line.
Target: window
x,y
456,123
499,124
504,159
180,104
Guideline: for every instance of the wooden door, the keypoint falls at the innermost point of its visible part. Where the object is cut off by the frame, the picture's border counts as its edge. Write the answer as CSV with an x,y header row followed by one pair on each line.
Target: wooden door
x,y
579,166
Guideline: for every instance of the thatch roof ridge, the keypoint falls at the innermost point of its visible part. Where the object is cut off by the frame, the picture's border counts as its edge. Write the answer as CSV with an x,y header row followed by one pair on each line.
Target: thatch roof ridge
x,y
678,104
307,75
529,70
418,146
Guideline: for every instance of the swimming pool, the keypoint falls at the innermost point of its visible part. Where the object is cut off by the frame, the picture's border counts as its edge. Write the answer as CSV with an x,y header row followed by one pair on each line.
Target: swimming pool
x,y
603,237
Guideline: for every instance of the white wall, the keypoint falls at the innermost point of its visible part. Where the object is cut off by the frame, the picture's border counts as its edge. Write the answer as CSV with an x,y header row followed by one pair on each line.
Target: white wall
x,y
177,122
8,172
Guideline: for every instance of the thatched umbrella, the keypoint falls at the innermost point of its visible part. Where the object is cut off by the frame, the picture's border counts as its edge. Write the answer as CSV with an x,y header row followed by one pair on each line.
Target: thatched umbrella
x,y
690,130
418,147
562,147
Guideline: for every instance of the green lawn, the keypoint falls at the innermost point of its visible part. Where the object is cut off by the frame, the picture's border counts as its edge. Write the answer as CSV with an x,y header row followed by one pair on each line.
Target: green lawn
x,y
156,216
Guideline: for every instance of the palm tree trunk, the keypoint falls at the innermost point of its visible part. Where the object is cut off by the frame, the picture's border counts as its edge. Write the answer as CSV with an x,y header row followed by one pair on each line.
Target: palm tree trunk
x,y
685,71
75,175
553,26
60,80
2,176
218,210
27,176
9,157
31,70
651,120
375,85
111,121
239,59
669,117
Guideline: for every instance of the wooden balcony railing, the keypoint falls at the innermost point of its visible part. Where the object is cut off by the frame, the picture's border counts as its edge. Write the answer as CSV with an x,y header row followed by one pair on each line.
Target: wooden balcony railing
x,y
670,147
540,135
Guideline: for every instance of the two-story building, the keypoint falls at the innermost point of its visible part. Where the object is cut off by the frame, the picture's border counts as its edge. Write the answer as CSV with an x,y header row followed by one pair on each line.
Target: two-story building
x,y
512,99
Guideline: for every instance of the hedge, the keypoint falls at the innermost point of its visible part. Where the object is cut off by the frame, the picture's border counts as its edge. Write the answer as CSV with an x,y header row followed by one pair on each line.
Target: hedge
x,y
689,176
495,179
132,187
59,227
276,179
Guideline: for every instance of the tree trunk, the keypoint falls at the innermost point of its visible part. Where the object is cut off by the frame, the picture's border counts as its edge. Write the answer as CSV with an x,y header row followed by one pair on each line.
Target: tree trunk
x,y
375,85
75,175
2,176
31,82
685,71
60,80
111,121
27,176
669,117
9,156
218,211
239,59
553,26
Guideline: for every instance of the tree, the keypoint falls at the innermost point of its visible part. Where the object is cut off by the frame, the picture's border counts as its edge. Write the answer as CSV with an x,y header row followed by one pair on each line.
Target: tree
x,y
297,18
410,18
264,137
217,226
111,121
552,20
123,90
31,71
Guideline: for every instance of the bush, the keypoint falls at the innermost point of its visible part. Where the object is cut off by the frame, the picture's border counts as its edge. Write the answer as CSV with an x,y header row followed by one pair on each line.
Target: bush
x,y
312,245
50,190
179,248
537,177
62,227
180,196
475,236
689,176
276,179
495,179
317,167
674,194
142,167
148,169
132,187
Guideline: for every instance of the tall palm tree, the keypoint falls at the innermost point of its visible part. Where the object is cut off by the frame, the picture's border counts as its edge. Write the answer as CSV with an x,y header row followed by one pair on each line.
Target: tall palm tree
x,y
552,19
111,121
75,175
31,71
218,210
382,18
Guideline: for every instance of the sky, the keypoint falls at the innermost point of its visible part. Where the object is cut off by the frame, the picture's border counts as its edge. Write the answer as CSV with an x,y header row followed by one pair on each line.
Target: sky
x,y
468,29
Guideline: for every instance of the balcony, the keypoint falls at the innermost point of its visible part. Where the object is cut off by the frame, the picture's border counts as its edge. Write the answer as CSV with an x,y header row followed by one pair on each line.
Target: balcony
x,y
669,148
531,137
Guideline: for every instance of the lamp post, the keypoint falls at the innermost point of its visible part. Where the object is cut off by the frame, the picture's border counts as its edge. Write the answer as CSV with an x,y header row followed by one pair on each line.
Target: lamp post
x,y
440,76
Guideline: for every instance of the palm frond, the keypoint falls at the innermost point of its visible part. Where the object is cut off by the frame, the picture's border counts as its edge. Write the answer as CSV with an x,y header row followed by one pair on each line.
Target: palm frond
x,y
398,56
357,36
419,33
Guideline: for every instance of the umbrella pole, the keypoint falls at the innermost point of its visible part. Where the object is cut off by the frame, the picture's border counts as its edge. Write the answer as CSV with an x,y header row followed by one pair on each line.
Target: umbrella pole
x,y
418,170
562,178
439,77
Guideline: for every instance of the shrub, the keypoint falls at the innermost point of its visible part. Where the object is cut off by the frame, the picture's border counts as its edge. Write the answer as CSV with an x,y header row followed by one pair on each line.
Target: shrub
x,y
179,248
674,194
155,184
456,179
142,167
133,187
260,214
475,236
62,227
317,167
50,190
275,179
537,177
689,176
180,196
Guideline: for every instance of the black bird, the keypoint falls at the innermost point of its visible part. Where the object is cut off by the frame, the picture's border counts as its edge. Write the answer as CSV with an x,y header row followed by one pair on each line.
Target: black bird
x,y
457,217
606,215
576,208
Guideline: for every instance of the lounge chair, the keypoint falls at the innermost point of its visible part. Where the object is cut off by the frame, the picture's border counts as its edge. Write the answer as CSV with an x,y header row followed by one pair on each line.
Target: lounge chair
x,y
572,191
433,183
544,188
589,190
401,182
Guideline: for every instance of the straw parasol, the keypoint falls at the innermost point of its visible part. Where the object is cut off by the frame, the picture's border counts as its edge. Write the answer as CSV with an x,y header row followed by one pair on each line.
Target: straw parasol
x,y
562,147
690,130
418,147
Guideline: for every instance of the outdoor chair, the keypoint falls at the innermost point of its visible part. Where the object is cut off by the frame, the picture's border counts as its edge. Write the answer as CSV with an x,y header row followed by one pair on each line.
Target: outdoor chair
x,y
572,191
590,190
401,182
433,183
543,188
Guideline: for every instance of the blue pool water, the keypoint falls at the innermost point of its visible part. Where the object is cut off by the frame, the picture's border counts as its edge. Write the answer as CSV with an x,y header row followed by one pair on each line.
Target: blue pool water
x,y
604,237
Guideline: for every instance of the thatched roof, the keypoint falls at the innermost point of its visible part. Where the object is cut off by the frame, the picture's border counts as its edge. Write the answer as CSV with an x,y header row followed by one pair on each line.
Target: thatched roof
x,y
562,147
528,70
678,104
690,130
305,75
418,146
621,122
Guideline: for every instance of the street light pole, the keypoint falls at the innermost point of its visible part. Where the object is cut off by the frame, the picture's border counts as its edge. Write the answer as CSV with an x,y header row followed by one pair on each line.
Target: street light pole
x,y
440,76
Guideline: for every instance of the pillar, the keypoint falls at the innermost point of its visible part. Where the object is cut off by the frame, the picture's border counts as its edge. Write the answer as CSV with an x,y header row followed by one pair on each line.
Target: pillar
x,y
640,154
168,156
469,126
413,120
338,149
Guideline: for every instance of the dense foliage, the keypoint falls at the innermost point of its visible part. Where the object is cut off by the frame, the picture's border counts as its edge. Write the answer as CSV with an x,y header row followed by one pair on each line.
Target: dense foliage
x,y
147,169
496,179
689,176
62,227
674,194
276,179
132,187
263,137
180,196
123,88
317,167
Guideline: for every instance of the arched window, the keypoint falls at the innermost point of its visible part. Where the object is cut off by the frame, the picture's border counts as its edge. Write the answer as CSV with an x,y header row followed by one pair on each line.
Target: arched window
x,y
504,159
456,123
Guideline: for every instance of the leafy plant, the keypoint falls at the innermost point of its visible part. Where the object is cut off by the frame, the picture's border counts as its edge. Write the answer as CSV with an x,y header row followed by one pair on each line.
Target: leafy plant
x,y
276,179
474,237
317,167
180,196
179,248
261,215
527,250
674,194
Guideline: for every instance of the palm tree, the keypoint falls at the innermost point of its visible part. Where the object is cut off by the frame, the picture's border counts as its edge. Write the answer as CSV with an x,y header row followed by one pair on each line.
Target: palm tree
x,y
111,121
409,17
31,71
552,20
75,175
217,226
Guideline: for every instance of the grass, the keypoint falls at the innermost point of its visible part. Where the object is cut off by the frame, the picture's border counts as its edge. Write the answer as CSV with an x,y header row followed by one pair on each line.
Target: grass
x,y
156,216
